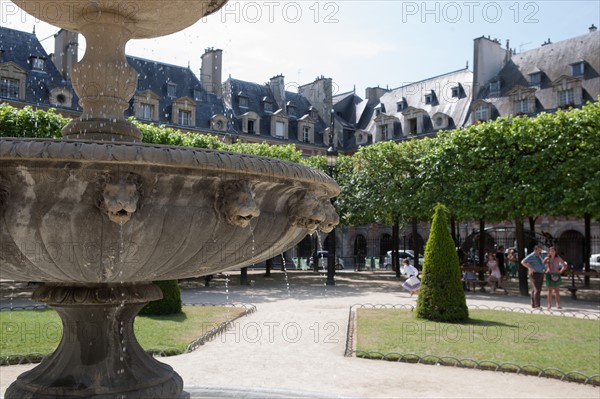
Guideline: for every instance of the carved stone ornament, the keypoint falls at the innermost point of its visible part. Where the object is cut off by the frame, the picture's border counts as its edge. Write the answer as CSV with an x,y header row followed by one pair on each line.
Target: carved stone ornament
x,y
236,204
118,197
305,211
331,217
4,194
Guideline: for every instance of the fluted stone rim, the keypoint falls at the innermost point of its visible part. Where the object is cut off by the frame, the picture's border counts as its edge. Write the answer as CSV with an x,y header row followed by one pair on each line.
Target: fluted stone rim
x,y
204,160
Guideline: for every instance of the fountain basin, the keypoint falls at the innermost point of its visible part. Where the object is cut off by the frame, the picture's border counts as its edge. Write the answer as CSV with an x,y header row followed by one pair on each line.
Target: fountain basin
x,y
91,213
143,19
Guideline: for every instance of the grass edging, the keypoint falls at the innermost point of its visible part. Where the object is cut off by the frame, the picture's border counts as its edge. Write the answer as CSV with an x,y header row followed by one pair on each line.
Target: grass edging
x,y
489,365
36,357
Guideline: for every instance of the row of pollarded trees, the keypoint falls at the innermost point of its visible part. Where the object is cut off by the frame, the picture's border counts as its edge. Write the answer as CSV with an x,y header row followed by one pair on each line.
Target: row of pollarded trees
x,y
506,169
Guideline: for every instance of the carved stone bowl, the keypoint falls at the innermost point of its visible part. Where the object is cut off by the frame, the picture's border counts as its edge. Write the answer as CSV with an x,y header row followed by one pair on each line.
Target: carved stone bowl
x,y
142,18
92,213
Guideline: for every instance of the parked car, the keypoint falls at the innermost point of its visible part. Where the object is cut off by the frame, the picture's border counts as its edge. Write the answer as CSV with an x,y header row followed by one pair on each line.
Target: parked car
x,y
595,262
323,257
403,254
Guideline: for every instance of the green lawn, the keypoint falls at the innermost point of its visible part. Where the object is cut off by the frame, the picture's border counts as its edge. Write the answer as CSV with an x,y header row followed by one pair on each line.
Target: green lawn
x,y
26,332
565,343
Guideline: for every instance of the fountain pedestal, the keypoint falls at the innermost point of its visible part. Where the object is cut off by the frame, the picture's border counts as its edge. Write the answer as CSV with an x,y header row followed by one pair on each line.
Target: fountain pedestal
x,y
98,356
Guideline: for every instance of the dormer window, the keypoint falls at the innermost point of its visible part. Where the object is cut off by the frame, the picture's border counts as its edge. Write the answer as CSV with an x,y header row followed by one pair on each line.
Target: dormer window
x,y
401,105
430,98
522,106
566,97
456,92
535,79
577,68
267,105
171,90
494,88
198,95
38,63
306,134
482,112
380,109
291,109
242,100
313,112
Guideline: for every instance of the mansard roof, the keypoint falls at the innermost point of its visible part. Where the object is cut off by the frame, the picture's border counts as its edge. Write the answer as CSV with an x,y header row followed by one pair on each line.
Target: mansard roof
x,y
457,108
157,76
257,95
553,61
19,48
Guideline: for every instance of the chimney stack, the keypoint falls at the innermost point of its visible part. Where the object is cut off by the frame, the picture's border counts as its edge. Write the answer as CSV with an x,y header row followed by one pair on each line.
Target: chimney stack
x,y
211,71
277,85
66,44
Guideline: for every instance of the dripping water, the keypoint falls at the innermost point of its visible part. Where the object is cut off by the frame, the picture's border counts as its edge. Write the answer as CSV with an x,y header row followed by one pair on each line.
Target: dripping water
x,y
285,273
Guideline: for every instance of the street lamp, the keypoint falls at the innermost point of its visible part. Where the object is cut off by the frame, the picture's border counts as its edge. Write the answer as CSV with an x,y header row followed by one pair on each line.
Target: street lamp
x,y
332,156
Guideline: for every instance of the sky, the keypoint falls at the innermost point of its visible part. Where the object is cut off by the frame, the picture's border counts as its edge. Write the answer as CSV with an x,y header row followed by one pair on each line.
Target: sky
x,y
357,43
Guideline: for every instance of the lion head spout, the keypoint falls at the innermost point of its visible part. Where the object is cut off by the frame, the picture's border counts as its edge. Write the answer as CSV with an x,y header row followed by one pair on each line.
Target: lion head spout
x,y
119,196
332,219
305,211
236,202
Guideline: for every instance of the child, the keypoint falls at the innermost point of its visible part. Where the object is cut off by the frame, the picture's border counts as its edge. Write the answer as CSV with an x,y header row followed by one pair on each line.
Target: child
x,y
412,283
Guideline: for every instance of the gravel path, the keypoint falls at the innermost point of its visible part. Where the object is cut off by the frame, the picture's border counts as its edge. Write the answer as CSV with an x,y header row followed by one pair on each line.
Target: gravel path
x,y
293,346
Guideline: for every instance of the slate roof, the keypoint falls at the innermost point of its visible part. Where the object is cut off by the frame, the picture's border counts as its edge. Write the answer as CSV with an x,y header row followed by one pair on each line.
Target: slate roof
x,y
19,47
257,94
553,61
156,76
456,108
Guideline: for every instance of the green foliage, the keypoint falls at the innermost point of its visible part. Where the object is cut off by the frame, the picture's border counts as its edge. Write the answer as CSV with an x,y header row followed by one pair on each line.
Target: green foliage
x,y
286,152
164,135
441,296
28,122
170,302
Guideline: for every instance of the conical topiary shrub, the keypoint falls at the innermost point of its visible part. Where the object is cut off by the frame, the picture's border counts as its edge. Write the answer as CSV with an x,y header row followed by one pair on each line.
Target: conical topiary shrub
x,y
170,302
441,295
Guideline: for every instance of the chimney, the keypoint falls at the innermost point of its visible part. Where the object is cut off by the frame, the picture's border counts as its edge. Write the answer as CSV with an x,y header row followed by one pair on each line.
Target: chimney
x,y
66,44
593,28
320,94
373,94
211,70
277,85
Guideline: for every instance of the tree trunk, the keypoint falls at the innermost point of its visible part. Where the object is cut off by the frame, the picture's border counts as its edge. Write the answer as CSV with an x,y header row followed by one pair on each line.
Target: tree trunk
x,y
395,246
244,276
415,234
453,231
268,266
522,274
532,230
481,246
481,242
587,246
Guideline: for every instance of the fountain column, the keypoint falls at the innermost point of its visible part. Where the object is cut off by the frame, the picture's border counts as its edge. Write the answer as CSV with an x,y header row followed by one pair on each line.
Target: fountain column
x,y
98,356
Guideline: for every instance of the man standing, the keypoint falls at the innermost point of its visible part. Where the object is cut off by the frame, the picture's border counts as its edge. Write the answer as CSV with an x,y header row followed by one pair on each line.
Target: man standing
x,y
535,264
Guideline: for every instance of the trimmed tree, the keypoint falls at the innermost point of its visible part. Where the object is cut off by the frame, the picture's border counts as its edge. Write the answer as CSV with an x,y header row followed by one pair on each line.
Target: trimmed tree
x,y
170,302
441,296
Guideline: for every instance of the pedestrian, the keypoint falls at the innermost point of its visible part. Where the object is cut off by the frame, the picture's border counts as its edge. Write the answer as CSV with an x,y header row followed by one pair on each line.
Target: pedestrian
x,y
511,263
555,265
535,264
412,283
494,270
503,276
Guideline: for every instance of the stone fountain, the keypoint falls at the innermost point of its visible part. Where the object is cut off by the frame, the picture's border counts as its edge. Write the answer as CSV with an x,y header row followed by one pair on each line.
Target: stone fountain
x,y
97,216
